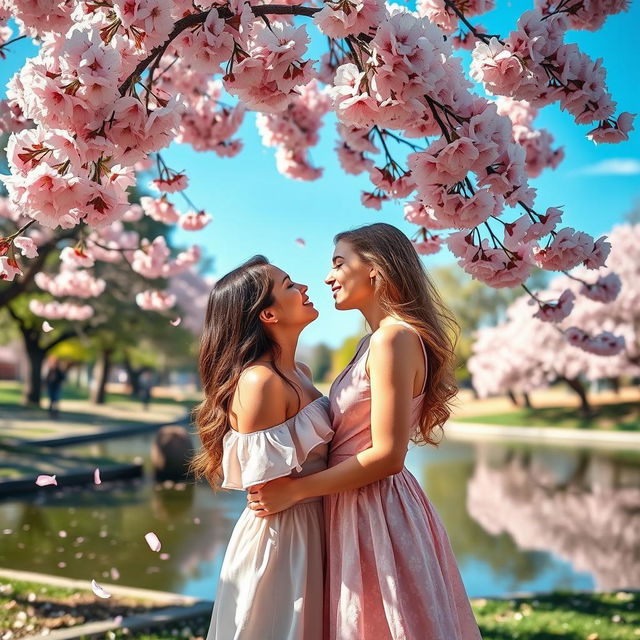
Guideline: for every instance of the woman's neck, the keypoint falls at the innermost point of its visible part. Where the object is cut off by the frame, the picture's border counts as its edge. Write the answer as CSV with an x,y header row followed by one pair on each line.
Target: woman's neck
x,y
374,315
285,359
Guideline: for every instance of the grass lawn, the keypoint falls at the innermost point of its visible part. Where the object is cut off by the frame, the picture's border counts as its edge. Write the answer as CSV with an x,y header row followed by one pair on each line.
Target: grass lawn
x,y
624,416
567,616
570,616
11,396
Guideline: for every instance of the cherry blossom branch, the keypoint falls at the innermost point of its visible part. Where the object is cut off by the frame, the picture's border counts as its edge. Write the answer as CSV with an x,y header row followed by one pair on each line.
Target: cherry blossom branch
x,y
561,8
413,147
484,37
443,127
390,160
21,229
6,44
197,18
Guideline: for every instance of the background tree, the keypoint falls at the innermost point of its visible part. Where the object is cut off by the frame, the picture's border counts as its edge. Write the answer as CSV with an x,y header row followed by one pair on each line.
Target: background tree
x,y
320,362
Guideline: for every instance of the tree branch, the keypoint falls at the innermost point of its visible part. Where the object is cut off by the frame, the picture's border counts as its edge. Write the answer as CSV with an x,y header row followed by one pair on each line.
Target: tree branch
x,y
197,18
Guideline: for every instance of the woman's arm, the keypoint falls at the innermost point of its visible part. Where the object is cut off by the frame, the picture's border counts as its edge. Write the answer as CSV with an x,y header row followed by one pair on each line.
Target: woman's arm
x,y
392,367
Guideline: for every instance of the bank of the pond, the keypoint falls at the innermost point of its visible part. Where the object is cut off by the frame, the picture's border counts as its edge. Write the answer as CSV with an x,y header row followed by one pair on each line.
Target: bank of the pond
x,y
615,439
66,610
32,442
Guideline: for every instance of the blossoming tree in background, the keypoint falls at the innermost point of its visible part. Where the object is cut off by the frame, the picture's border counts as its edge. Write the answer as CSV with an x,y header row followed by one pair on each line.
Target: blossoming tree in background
x,y
115,82
527,352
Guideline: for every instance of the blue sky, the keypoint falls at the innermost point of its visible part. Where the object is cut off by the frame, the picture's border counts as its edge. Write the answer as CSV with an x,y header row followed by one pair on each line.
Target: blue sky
x,y
257,210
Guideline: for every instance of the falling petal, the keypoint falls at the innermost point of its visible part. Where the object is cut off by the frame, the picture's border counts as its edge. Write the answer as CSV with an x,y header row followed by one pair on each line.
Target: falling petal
x,y
99,591
153,541
164,556
96,477
62,565
115,574
46,327
62,534
118,619
196,521
301,242
177,321
43,481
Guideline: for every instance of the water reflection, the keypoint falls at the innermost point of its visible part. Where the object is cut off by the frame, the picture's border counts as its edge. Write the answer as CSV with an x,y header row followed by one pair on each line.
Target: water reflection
x,y
579,505
518,518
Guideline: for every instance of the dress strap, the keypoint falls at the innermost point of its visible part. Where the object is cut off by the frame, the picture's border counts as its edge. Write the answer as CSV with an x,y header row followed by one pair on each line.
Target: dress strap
x,y
424,350
356,355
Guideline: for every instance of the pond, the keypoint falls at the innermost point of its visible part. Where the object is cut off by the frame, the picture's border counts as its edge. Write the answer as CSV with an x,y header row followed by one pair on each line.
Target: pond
x,y
520,518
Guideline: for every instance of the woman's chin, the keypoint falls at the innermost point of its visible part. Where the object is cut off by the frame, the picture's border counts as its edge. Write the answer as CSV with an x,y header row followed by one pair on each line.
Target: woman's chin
x,y
313,315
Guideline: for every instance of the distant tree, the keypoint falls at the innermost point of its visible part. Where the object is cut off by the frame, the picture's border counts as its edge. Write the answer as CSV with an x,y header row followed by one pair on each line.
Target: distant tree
x,y
343,354
475,305
320,362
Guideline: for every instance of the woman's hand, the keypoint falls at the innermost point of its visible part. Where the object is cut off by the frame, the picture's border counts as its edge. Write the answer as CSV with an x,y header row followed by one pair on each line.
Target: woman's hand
x,y
272,497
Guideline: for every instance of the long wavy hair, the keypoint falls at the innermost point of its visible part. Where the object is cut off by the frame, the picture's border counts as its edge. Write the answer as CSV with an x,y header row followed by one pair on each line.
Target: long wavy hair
x,y
405,290
232,338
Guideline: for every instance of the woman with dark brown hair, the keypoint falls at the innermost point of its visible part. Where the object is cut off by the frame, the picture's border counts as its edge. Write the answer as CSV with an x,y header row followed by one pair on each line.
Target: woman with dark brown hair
x,y
262,418
391,572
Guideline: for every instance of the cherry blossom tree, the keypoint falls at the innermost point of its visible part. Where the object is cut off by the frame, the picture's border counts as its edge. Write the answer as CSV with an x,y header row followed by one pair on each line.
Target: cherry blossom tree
x,y
526,352
61,283
114,83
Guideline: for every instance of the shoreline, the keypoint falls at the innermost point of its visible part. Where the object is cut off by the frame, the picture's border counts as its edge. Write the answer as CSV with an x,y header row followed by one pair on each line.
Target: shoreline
x,y
551,436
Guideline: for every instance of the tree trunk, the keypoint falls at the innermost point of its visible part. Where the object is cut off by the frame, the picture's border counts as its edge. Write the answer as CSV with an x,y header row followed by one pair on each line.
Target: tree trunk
x,y
576,385
512,396
527,400
133,376
32,390
615,384
101,371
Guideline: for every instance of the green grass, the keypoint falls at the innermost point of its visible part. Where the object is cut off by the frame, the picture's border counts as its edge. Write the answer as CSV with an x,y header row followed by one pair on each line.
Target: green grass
x,y
566,616
569,616
623,416
11,397
560,615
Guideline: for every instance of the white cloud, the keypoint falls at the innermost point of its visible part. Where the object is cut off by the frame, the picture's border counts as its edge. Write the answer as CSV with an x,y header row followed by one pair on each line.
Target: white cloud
x,y
611,167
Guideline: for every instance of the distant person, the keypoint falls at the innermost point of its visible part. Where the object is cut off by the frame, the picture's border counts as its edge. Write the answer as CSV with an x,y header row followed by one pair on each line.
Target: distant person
x,y
54,379
146,384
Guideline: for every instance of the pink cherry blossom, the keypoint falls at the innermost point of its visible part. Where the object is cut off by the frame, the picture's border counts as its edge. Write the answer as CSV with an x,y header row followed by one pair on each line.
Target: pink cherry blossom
x,y
77,257
9,268
428,246
178,182
151,300
349,17
71,282
568,249
604,289
56,310
558,310
160,209
153,541
194,220
45,480
27,246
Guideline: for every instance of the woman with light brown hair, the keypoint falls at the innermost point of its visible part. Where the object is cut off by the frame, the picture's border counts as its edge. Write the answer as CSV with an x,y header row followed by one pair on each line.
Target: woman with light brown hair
x,y
391,571
262,418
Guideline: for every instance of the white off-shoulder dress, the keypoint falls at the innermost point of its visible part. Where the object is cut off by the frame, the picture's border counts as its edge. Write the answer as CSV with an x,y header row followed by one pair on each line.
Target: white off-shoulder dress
x,y
272,577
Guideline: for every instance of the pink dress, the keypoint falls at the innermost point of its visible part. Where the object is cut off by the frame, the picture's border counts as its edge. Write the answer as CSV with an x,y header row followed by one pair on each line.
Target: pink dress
x,y
391,572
